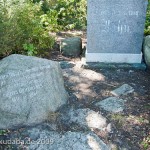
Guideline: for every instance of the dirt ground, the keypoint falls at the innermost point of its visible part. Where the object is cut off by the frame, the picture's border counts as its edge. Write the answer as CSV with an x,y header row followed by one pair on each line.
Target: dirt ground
x,y
132,126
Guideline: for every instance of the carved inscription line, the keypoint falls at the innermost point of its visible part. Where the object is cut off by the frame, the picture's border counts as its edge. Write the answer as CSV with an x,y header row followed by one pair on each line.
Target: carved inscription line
x,y
2,77
123,28
109,26
29,90
129,13
26,83
18,82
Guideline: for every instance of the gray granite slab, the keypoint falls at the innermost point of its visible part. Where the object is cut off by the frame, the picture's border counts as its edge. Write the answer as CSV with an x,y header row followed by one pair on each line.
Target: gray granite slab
x,y
115,26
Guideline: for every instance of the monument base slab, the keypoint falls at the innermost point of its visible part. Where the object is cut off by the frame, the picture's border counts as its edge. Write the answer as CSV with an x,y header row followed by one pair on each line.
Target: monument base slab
x,y
113,57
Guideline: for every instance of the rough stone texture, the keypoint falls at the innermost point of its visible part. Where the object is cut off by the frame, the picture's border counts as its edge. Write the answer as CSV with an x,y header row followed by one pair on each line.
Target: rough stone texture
x,y
146,49
85,118
115,26
67,141
31,88
71,46
112,104
123,90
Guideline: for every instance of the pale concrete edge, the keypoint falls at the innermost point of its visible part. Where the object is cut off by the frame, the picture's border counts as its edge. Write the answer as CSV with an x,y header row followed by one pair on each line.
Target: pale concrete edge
x,y
113,58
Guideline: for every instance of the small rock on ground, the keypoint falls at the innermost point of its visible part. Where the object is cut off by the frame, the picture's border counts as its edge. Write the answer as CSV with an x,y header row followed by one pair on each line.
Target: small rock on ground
x,y
84,118
71,46
65,64
112,104
123,90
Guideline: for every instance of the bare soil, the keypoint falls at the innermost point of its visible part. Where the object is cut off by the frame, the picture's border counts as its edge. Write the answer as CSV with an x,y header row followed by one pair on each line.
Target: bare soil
x,y
132,126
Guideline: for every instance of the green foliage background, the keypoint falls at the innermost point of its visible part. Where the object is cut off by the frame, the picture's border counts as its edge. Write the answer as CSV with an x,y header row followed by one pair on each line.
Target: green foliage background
x,y
22,28
147,24
71,14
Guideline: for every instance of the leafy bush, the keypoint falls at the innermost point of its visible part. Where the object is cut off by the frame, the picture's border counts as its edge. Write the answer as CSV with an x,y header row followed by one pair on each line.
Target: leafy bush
x,y
49,20
7,27
71,14
147,24
22,29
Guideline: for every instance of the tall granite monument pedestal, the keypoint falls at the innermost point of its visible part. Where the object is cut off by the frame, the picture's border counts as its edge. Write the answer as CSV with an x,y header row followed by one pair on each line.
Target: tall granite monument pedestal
x,y
115,30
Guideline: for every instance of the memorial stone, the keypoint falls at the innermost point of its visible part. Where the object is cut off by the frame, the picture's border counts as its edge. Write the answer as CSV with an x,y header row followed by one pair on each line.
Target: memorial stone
x,y
115,30
30,89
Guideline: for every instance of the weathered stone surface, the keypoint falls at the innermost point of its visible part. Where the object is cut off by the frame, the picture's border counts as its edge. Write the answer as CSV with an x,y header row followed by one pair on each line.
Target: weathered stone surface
x,y
30,89
123,90
112,104
84,118
71,46
115,27
67,141
147,50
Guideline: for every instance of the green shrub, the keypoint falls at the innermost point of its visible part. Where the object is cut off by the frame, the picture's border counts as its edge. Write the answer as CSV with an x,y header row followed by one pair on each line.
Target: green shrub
x,y
22,26
71,14
7,27
147,23
49,20
29,20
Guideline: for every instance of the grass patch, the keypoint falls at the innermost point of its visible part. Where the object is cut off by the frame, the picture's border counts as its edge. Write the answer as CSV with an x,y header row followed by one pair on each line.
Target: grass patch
x,y
119,119
3,132
146,106
146,143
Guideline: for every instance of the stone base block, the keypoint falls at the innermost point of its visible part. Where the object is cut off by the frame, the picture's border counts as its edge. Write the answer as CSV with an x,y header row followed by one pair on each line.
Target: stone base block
x,y
113,57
